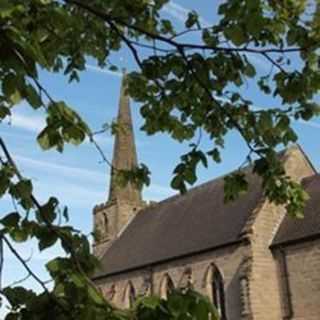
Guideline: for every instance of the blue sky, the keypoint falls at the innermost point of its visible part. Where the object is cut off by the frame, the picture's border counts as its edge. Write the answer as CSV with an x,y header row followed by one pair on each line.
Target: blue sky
x,y
79,178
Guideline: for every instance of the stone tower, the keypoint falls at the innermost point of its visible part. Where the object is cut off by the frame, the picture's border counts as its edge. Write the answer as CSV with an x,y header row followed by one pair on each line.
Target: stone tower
x,y
123,201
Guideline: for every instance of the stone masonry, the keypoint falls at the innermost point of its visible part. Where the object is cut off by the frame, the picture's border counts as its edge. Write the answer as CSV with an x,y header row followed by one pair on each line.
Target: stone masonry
x,y
260,280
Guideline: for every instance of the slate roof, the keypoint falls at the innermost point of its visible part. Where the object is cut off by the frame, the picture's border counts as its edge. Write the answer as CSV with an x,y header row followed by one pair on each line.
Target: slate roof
x,y
293,230
200,221
182,225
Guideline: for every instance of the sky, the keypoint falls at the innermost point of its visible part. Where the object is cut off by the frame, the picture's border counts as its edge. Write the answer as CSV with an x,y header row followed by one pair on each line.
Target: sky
x,y
78,177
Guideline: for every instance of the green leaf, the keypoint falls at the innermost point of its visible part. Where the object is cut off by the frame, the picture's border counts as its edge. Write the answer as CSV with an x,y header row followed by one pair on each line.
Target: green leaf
x,y
54,265
11,220
23,192
18,296
236,34
193,19
59,266
44,139
215,154
65,214
235,185
209,38
10,90
4,112
249,70
19,235
177,183
190,176
78,280
47,239
151,302
48,211
33,97
95,295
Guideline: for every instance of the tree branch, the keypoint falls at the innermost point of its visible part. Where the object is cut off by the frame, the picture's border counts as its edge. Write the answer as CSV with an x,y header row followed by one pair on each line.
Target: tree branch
x,y
182,45
25,265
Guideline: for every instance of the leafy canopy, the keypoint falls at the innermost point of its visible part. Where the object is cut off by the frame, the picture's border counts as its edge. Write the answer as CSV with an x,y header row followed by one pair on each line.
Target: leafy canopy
x,y
186,89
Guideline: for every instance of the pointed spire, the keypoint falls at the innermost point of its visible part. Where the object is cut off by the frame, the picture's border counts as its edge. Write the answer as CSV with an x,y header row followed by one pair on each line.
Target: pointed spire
x,y
124,150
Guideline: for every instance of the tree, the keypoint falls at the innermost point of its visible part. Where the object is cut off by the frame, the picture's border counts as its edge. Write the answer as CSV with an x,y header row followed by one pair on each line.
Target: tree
x,y
59,35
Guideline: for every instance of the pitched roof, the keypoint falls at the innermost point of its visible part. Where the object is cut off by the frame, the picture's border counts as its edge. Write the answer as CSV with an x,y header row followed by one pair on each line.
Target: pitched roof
x,y
292,230
182,225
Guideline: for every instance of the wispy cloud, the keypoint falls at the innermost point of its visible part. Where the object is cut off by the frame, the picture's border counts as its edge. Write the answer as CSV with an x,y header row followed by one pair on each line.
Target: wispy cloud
x,y
73,186
28,123
311,124
70,175
180,13
29,251
62,170
157,192
35,124
104,71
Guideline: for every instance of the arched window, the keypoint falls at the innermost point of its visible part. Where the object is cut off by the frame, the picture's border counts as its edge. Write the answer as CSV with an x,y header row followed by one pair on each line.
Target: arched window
x,y
215,290
129,295
145,289
185,281
101,226
106,224
166,286
110,293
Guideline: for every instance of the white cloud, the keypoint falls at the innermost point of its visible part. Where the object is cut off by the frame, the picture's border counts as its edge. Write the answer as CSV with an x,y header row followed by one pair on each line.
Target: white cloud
x,y
158,192
62,170
28,123
35,124
105,71
311,124
70,192
74,185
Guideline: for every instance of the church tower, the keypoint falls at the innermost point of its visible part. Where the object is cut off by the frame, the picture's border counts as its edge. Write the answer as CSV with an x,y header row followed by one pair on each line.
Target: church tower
x,y
123,201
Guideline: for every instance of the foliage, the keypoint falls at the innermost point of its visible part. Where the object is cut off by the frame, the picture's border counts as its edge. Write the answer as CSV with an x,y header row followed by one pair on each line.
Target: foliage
x,y
59,35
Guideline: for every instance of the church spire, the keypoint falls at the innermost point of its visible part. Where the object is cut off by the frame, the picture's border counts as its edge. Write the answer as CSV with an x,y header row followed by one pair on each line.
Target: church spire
x,y
124,151
124,202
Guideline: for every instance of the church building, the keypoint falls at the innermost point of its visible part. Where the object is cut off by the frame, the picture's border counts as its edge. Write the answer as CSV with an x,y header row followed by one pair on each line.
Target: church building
x,y
248,256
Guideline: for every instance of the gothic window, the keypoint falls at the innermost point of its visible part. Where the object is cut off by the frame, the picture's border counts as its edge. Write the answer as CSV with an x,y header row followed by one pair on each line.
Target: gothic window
x,y
101,226
215,290
129,295
111,292
166,287
145,289
106,224
186,279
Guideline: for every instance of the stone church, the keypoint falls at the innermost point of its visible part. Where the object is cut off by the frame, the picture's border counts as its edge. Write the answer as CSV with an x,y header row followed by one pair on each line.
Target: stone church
x,y
248,256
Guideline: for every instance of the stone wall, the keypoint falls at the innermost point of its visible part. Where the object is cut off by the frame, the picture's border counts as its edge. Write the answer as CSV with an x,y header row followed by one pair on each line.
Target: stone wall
x,y
110,219
303,266
264,286
228,260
